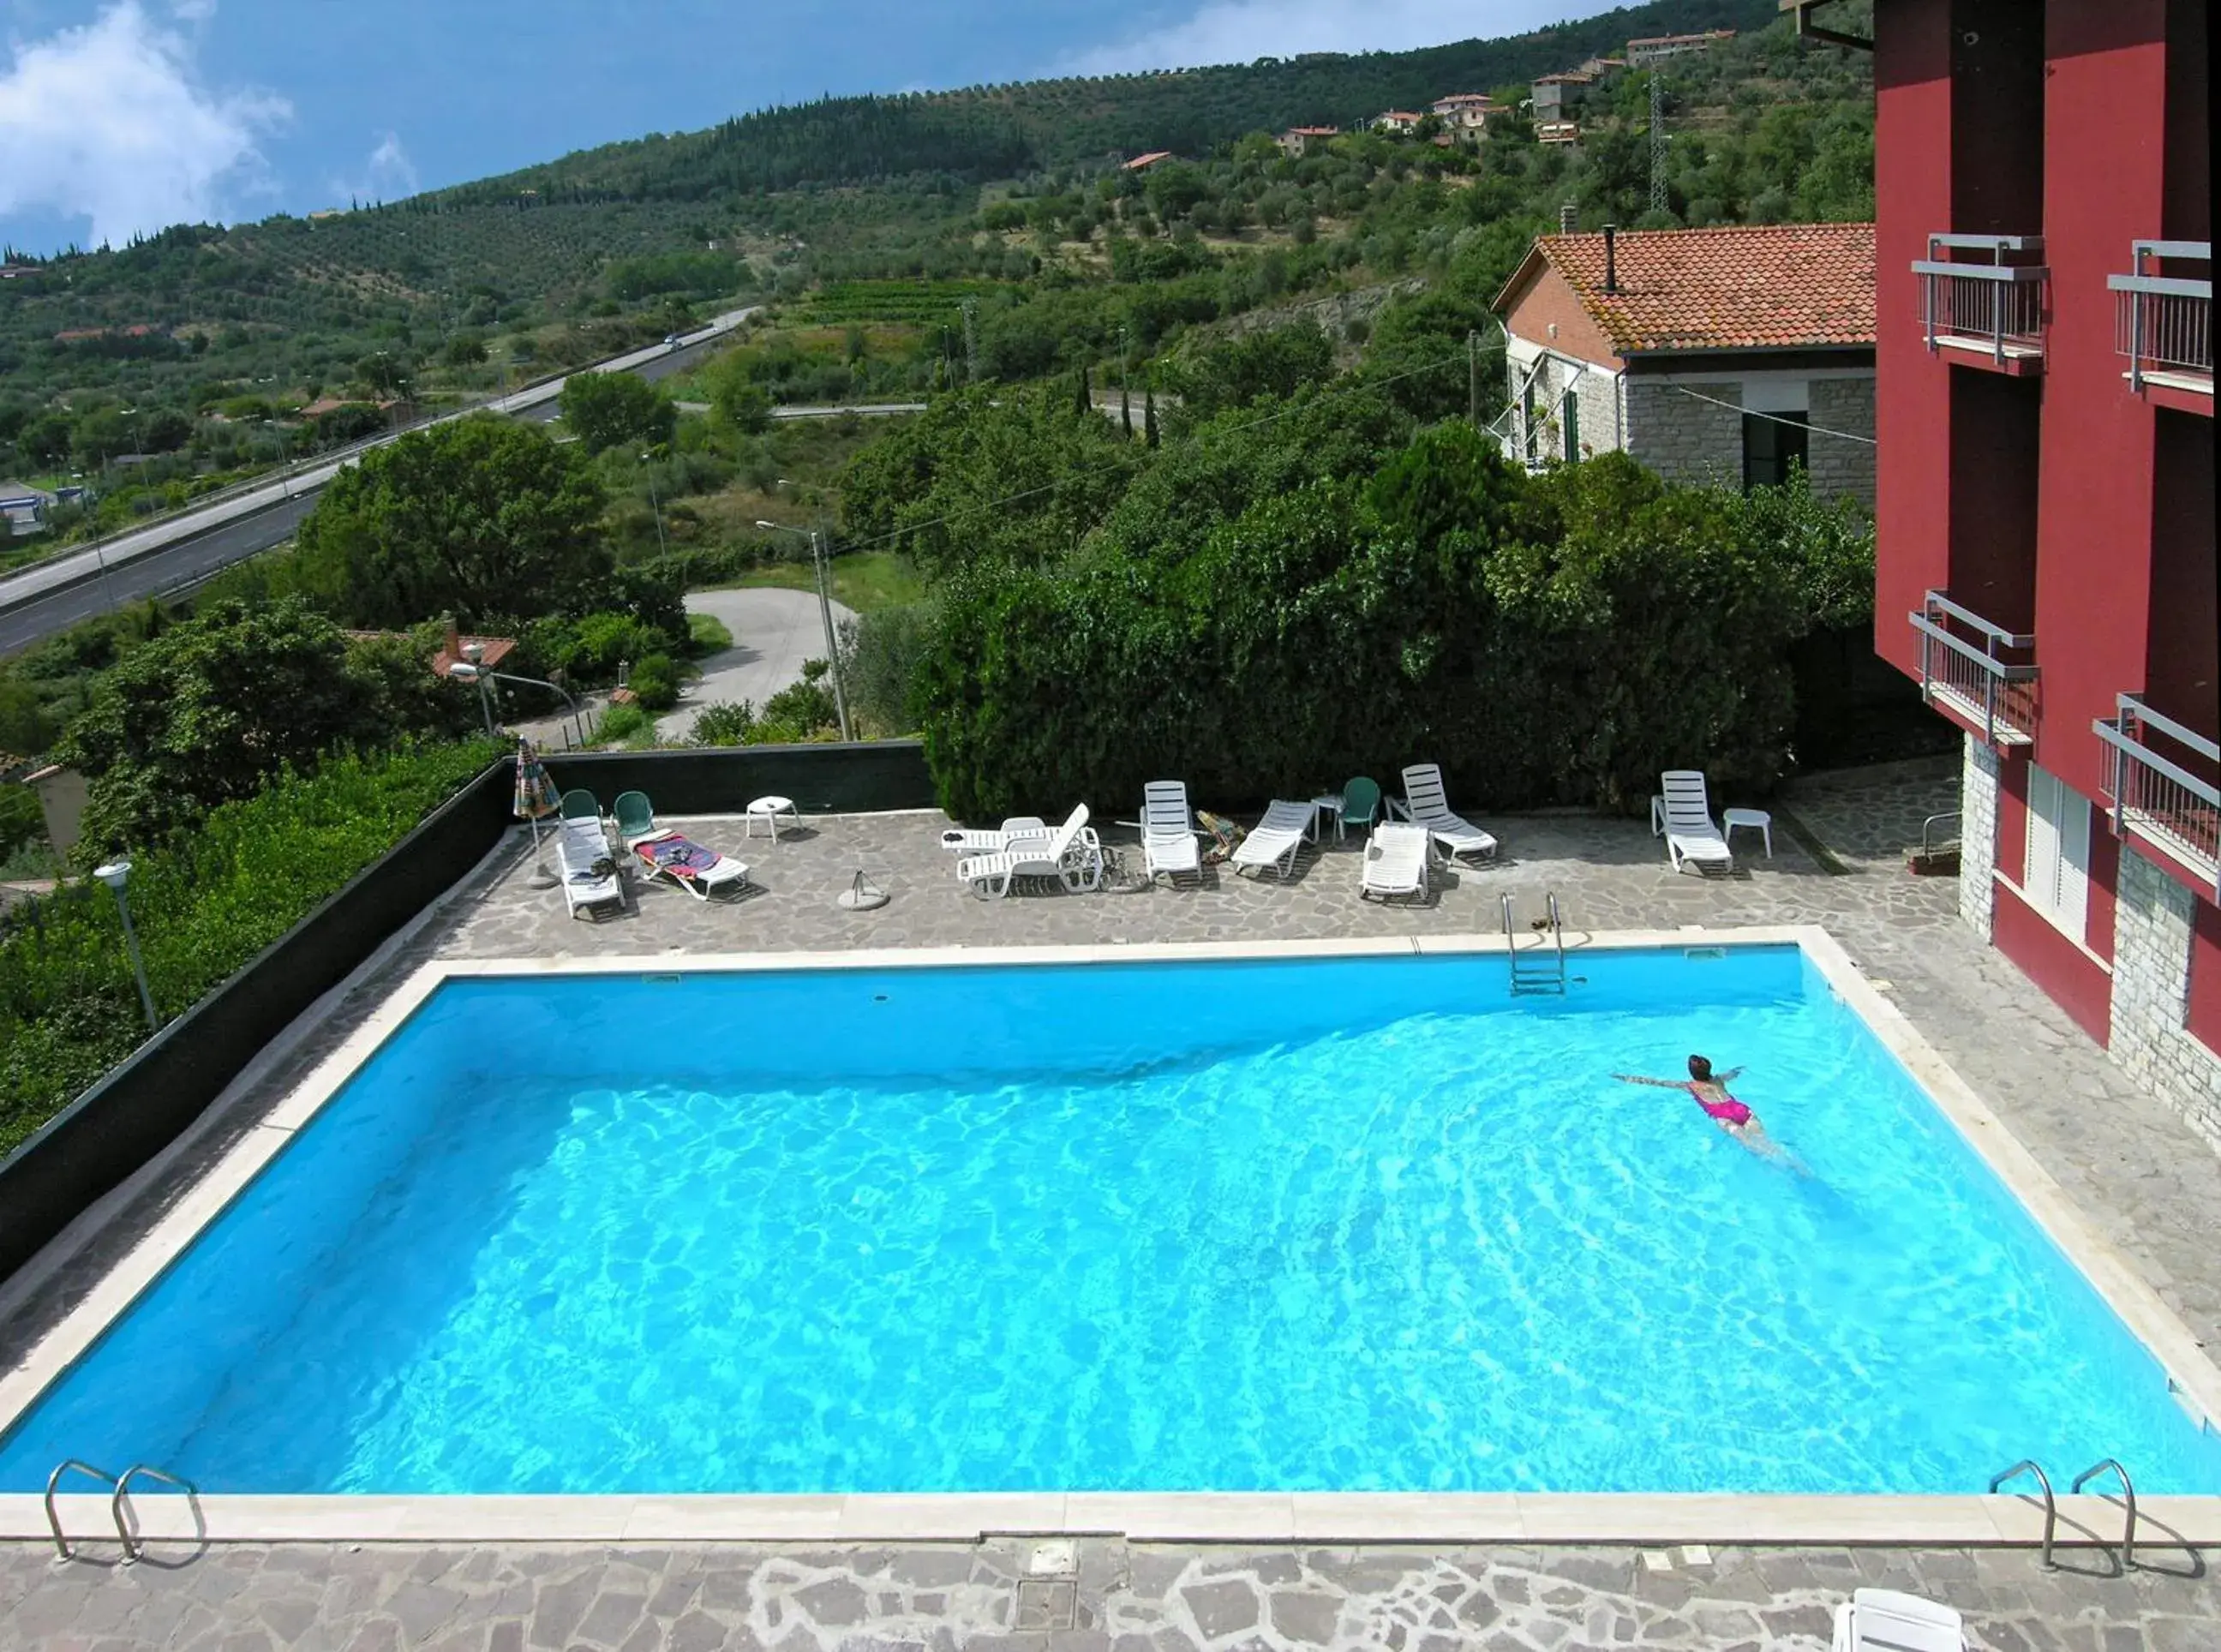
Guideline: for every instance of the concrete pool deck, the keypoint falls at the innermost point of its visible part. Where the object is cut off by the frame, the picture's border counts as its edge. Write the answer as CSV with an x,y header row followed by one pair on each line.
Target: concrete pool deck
x,y
2149,1186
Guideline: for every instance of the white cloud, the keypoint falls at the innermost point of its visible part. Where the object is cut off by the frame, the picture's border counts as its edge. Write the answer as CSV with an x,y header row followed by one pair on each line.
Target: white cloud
x,y
1237,31
387,175
110,121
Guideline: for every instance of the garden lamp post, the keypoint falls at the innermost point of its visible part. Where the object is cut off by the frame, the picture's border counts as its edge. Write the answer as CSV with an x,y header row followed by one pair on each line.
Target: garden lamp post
x,y
469,671
824,611
115,873
474,673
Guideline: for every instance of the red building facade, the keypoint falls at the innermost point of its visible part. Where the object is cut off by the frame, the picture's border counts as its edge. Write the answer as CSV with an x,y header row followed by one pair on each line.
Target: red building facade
x,y
2044,498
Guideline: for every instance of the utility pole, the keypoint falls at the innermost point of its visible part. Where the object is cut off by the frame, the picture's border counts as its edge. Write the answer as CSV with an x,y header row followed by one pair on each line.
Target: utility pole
x,y
1473,376
832,645
1657,141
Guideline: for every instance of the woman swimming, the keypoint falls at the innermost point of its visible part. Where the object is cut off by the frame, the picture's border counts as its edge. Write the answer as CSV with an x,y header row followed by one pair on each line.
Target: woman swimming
x,y
1710,1092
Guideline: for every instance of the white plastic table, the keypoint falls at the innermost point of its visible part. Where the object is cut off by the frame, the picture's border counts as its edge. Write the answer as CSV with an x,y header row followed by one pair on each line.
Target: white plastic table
x,y
768,810
1324,805
1757,818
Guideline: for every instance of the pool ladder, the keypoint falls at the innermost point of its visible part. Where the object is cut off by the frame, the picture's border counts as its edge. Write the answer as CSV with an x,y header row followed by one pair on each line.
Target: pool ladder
x,y
126,1529
1541,969
2104,1465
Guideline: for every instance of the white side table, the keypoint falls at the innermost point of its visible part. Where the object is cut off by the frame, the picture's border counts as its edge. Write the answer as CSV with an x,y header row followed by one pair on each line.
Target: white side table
x,y
770,810
1754,818
1324,805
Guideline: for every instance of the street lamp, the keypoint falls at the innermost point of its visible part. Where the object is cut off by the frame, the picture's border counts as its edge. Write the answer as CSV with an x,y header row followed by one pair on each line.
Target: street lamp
x,y
825,612
114,874
474,673
661,548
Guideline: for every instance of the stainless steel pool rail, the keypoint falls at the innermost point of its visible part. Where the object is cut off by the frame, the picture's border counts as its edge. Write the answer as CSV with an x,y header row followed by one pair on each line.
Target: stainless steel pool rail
x,y
53,1515
2029,1466
2127,1496
1542,974
118,1502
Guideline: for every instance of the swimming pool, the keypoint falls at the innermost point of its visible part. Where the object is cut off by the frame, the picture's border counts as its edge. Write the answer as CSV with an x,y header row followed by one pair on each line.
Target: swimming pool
x,y
1287,1223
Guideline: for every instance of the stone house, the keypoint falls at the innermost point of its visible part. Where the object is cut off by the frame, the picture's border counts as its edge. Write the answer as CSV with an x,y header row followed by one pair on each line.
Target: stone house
x,y
1657,48
1711,355
1556,97
1297,140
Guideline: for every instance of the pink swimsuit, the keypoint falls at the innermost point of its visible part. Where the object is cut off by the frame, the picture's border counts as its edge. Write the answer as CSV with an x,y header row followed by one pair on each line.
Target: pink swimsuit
x,y
1728,1111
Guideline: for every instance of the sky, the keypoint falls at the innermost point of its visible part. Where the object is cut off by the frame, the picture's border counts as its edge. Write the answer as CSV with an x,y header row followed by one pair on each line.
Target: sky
x,y
120,116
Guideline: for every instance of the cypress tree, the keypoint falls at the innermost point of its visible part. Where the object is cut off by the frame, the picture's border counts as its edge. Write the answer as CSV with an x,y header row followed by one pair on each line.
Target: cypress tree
x,y
1125,407
1149,415
1084,403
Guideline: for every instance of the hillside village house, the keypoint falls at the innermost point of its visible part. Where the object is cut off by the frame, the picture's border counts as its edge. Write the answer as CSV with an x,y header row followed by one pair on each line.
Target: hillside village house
x,y
1658,48
1402,121
1296,142
1711,355
1465,113
1556,96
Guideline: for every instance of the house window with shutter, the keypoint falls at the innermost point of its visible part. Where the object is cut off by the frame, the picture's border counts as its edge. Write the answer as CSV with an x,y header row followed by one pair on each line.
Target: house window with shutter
x,y
1572,421
2056,878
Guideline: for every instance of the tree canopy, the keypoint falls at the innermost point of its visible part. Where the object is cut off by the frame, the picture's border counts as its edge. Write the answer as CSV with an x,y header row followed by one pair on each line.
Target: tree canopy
x,y
477,517
606,410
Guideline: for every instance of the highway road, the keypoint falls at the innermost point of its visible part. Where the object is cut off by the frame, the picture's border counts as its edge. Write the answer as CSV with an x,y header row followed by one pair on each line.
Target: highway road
x,y
180,552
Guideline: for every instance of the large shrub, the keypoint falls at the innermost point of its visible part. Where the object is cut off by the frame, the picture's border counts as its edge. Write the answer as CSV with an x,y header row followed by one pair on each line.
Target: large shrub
x,y
202,907
1556,639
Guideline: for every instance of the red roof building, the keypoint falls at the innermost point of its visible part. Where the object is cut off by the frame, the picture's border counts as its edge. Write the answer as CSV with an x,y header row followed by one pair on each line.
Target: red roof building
x,y
1712,355
1143,162
1296,143
2045,550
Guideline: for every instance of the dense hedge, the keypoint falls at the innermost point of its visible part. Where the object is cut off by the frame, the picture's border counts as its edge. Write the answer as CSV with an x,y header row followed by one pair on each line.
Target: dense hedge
x,y
1550,640
249,873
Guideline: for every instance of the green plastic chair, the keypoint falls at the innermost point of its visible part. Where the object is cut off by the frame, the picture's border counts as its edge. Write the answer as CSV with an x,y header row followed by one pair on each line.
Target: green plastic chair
x,y
635,816
1360,804
578,804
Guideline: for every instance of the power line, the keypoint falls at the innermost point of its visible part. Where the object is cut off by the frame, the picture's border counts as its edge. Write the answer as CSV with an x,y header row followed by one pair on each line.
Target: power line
x,y
1753,413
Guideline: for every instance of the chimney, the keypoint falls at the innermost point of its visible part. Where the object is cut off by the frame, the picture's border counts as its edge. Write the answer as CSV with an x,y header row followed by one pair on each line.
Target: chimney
x,y
1566,219
1611,259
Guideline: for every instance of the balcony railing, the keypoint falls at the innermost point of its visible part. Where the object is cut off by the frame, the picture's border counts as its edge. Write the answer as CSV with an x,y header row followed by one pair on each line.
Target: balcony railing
x,y
1995,308
2164,323
2164,782
1980,673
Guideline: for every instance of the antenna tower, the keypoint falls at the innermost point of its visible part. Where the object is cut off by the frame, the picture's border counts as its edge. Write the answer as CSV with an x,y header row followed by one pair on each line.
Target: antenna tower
x,y
1657,141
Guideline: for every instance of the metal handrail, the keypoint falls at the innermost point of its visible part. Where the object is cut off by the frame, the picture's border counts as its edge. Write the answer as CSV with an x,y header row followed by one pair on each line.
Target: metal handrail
x,y
1557,934
2144,249
132,1547
1967,616
2178,286
2029,1466
2006,669
2128,1491
1981,271
54,1516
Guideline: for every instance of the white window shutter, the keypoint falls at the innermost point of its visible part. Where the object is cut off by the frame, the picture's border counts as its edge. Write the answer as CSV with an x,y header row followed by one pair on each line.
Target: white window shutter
x,y
2039,879
2071,902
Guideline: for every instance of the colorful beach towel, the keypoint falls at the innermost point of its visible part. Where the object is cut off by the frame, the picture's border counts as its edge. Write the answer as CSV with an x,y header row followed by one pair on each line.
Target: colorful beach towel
x,y
681,857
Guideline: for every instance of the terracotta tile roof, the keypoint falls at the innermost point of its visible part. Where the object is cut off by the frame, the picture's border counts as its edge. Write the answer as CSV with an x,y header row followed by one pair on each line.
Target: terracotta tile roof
x,y
1741,287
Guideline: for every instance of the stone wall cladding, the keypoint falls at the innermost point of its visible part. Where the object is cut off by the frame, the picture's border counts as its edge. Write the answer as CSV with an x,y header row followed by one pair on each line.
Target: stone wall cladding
x,y
1978,837
2152,919
1683,439
1839,466
1595,391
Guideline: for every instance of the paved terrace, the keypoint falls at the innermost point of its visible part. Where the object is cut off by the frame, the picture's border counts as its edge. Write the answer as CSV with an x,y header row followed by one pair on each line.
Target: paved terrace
x,y
2139,1175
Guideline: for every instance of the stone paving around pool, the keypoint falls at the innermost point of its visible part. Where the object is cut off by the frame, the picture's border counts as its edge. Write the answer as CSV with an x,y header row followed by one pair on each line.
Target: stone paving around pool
x,y
1090,1594
2137,1173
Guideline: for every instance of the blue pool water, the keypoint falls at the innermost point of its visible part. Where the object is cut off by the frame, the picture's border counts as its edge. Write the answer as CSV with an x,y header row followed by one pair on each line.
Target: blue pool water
x,y
1314,1224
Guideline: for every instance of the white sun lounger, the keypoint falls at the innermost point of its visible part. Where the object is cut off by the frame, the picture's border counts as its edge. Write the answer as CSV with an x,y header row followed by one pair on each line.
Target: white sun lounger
x,y
958,840
1074,855
579,847
1395,863
1168,847
1883,1620
1684,814
1277,839
1425,805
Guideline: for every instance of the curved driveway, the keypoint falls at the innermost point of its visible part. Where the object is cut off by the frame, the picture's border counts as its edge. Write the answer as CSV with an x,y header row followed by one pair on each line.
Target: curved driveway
x,y
774,631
